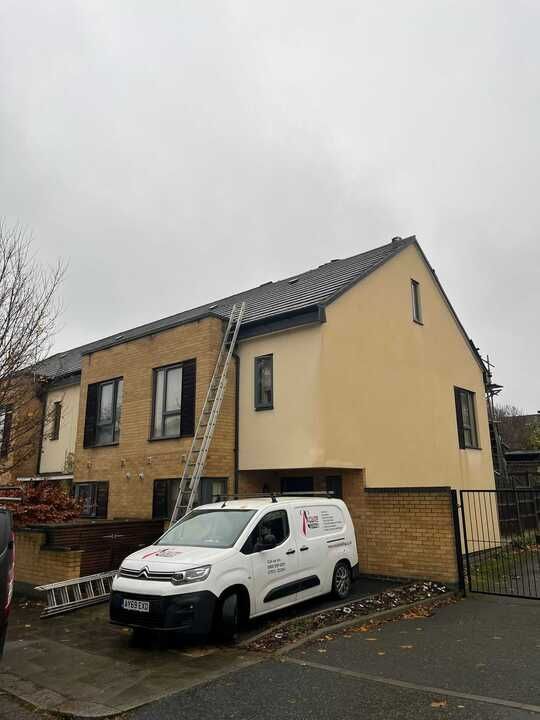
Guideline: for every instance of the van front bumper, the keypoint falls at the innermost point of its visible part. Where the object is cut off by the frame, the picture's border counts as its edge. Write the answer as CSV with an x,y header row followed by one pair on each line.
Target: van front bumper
x,y
191,613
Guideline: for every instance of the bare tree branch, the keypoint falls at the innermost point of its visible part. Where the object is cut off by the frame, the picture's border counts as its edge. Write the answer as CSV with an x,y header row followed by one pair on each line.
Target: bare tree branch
x,y
29,310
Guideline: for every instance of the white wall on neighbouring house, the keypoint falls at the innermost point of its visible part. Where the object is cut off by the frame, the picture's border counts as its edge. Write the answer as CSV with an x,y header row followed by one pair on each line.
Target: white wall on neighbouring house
x,y
54,452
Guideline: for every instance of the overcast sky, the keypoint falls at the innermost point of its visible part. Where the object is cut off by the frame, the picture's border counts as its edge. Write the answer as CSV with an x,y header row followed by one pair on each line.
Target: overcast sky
x,y
176,152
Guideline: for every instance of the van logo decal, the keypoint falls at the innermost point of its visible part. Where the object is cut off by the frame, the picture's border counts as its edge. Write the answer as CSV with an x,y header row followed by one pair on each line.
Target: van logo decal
x,y
309,522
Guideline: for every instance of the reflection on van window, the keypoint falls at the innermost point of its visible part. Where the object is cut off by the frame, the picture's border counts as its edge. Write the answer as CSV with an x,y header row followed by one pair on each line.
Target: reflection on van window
x,y
208,528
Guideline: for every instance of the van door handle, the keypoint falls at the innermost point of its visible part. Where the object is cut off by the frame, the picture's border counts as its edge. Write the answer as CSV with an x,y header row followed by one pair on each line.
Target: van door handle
x,y
290,552
304,547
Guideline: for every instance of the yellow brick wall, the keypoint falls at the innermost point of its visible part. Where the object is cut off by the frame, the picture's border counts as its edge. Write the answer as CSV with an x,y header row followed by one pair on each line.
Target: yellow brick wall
x,y
135,453
37,565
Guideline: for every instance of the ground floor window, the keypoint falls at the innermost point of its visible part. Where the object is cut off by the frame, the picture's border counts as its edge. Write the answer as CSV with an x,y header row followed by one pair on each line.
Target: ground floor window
x,y
94,497
297,485
334,485
166,491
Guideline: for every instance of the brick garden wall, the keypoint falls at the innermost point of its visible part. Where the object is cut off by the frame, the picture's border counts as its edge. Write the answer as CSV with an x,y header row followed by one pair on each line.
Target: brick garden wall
x,y
38,565
402,532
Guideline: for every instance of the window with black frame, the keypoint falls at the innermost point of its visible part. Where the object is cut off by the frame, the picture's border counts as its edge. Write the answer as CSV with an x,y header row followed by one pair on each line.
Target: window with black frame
x,y
103,413
94,497
466,418
264,382
173,401
166,492
55,421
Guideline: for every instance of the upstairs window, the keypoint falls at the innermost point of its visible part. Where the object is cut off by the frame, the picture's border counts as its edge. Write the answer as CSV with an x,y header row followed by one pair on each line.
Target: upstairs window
x,y
103,413
264,382
466,418
416,302
55,421
174,401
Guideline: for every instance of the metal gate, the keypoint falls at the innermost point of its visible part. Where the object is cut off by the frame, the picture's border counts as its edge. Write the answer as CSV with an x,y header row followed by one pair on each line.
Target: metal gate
x,y
501,533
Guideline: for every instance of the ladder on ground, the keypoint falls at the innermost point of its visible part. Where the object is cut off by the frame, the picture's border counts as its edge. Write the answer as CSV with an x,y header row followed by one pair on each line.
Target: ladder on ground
x,y
72,594
196,457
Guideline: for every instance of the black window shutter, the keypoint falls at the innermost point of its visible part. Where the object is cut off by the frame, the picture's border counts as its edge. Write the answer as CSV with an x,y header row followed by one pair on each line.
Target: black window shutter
x,y
91,415
4,449
102,499
187,420
459,417
159,504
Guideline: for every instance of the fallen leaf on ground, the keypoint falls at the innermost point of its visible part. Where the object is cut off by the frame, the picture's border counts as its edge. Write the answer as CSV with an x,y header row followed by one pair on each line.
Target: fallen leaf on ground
x,y
439,704
406,647
381,653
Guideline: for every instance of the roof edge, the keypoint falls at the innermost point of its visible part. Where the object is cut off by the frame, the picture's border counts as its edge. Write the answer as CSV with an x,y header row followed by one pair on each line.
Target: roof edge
x,y
470,344
405,243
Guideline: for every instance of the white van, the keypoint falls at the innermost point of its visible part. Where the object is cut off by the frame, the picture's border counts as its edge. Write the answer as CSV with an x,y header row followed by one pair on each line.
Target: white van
x,y
233,560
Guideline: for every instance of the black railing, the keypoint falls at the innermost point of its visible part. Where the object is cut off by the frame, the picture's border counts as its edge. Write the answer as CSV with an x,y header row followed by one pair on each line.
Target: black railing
x,y
501,532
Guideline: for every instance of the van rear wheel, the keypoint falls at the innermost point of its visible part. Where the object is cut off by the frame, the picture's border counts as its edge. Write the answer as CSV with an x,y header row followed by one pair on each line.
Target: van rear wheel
x,y
227,622
342,580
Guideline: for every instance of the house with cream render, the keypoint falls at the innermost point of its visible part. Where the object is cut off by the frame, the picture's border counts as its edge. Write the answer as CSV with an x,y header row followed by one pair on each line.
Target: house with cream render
x,y
354,377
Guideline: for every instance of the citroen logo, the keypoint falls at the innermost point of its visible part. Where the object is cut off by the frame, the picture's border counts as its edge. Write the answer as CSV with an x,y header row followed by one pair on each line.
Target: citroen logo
x,y
144,572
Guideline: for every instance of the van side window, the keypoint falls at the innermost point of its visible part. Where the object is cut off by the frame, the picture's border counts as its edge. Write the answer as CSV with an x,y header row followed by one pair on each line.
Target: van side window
x,y
273,523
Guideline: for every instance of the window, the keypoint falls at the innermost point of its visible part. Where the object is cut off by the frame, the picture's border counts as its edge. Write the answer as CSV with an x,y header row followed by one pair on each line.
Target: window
x,y
103,412
264,382
334,486
55,421
174,401
466,418
218,528
416,302
274,523
166,491
5,429
94,497
297,485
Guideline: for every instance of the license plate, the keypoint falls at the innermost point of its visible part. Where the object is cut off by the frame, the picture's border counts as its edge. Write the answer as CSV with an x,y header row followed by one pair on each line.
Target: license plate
x,y
138,605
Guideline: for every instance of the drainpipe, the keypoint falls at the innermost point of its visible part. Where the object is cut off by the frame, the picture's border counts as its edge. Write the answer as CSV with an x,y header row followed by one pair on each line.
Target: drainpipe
x,y
236,418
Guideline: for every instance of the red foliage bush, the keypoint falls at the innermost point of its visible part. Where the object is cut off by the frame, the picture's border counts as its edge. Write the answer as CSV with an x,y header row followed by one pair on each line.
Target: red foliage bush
x,y
41,502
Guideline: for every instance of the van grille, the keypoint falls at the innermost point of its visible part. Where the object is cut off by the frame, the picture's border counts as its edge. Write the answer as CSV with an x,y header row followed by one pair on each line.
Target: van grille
x,y
145,574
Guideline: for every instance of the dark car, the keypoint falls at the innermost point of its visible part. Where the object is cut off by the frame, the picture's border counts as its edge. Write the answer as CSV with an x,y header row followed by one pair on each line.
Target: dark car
x,y
7,571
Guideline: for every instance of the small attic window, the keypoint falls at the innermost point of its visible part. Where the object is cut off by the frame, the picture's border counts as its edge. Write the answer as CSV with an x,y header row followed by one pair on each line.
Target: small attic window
x,y
416,302
293,280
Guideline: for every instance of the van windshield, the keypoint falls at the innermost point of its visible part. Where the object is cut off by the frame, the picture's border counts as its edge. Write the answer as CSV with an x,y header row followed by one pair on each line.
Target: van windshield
x,y
208,528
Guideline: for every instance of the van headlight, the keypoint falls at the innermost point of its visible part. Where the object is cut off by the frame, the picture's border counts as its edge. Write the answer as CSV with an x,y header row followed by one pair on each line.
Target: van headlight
x,y
197,574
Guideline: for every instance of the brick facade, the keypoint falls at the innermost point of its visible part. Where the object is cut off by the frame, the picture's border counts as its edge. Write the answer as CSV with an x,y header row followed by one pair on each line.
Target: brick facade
x,y
39,565
130,495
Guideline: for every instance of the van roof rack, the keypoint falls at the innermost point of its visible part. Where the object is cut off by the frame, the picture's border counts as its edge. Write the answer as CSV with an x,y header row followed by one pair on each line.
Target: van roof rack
x,y
273,495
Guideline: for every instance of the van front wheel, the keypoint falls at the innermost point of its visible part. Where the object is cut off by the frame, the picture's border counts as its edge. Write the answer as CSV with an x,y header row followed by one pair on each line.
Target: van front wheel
x,y
342,580
228,617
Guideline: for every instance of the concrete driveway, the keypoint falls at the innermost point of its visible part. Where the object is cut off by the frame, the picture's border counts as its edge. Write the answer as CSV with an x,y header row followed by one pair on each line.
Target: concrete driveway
x,y
478,659
80,664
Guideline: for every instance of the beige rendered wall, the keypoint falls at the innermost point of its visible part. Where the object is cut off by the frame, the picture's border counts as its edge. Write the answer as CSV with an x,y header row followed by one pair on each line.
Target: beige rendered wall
x,y
388,384
54,452
369,389
289,435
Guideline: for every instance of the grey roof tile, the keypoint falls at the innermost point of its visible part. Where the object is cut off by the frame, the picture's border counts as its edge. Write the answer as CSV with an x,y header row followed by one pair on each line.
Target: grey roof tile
x,y
265,302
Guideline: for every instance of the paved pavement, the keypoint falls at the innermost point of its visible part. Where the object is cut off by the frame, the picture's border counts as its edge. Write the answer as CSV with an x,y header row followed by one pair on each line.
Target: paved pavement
x,y
80,664
476,659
